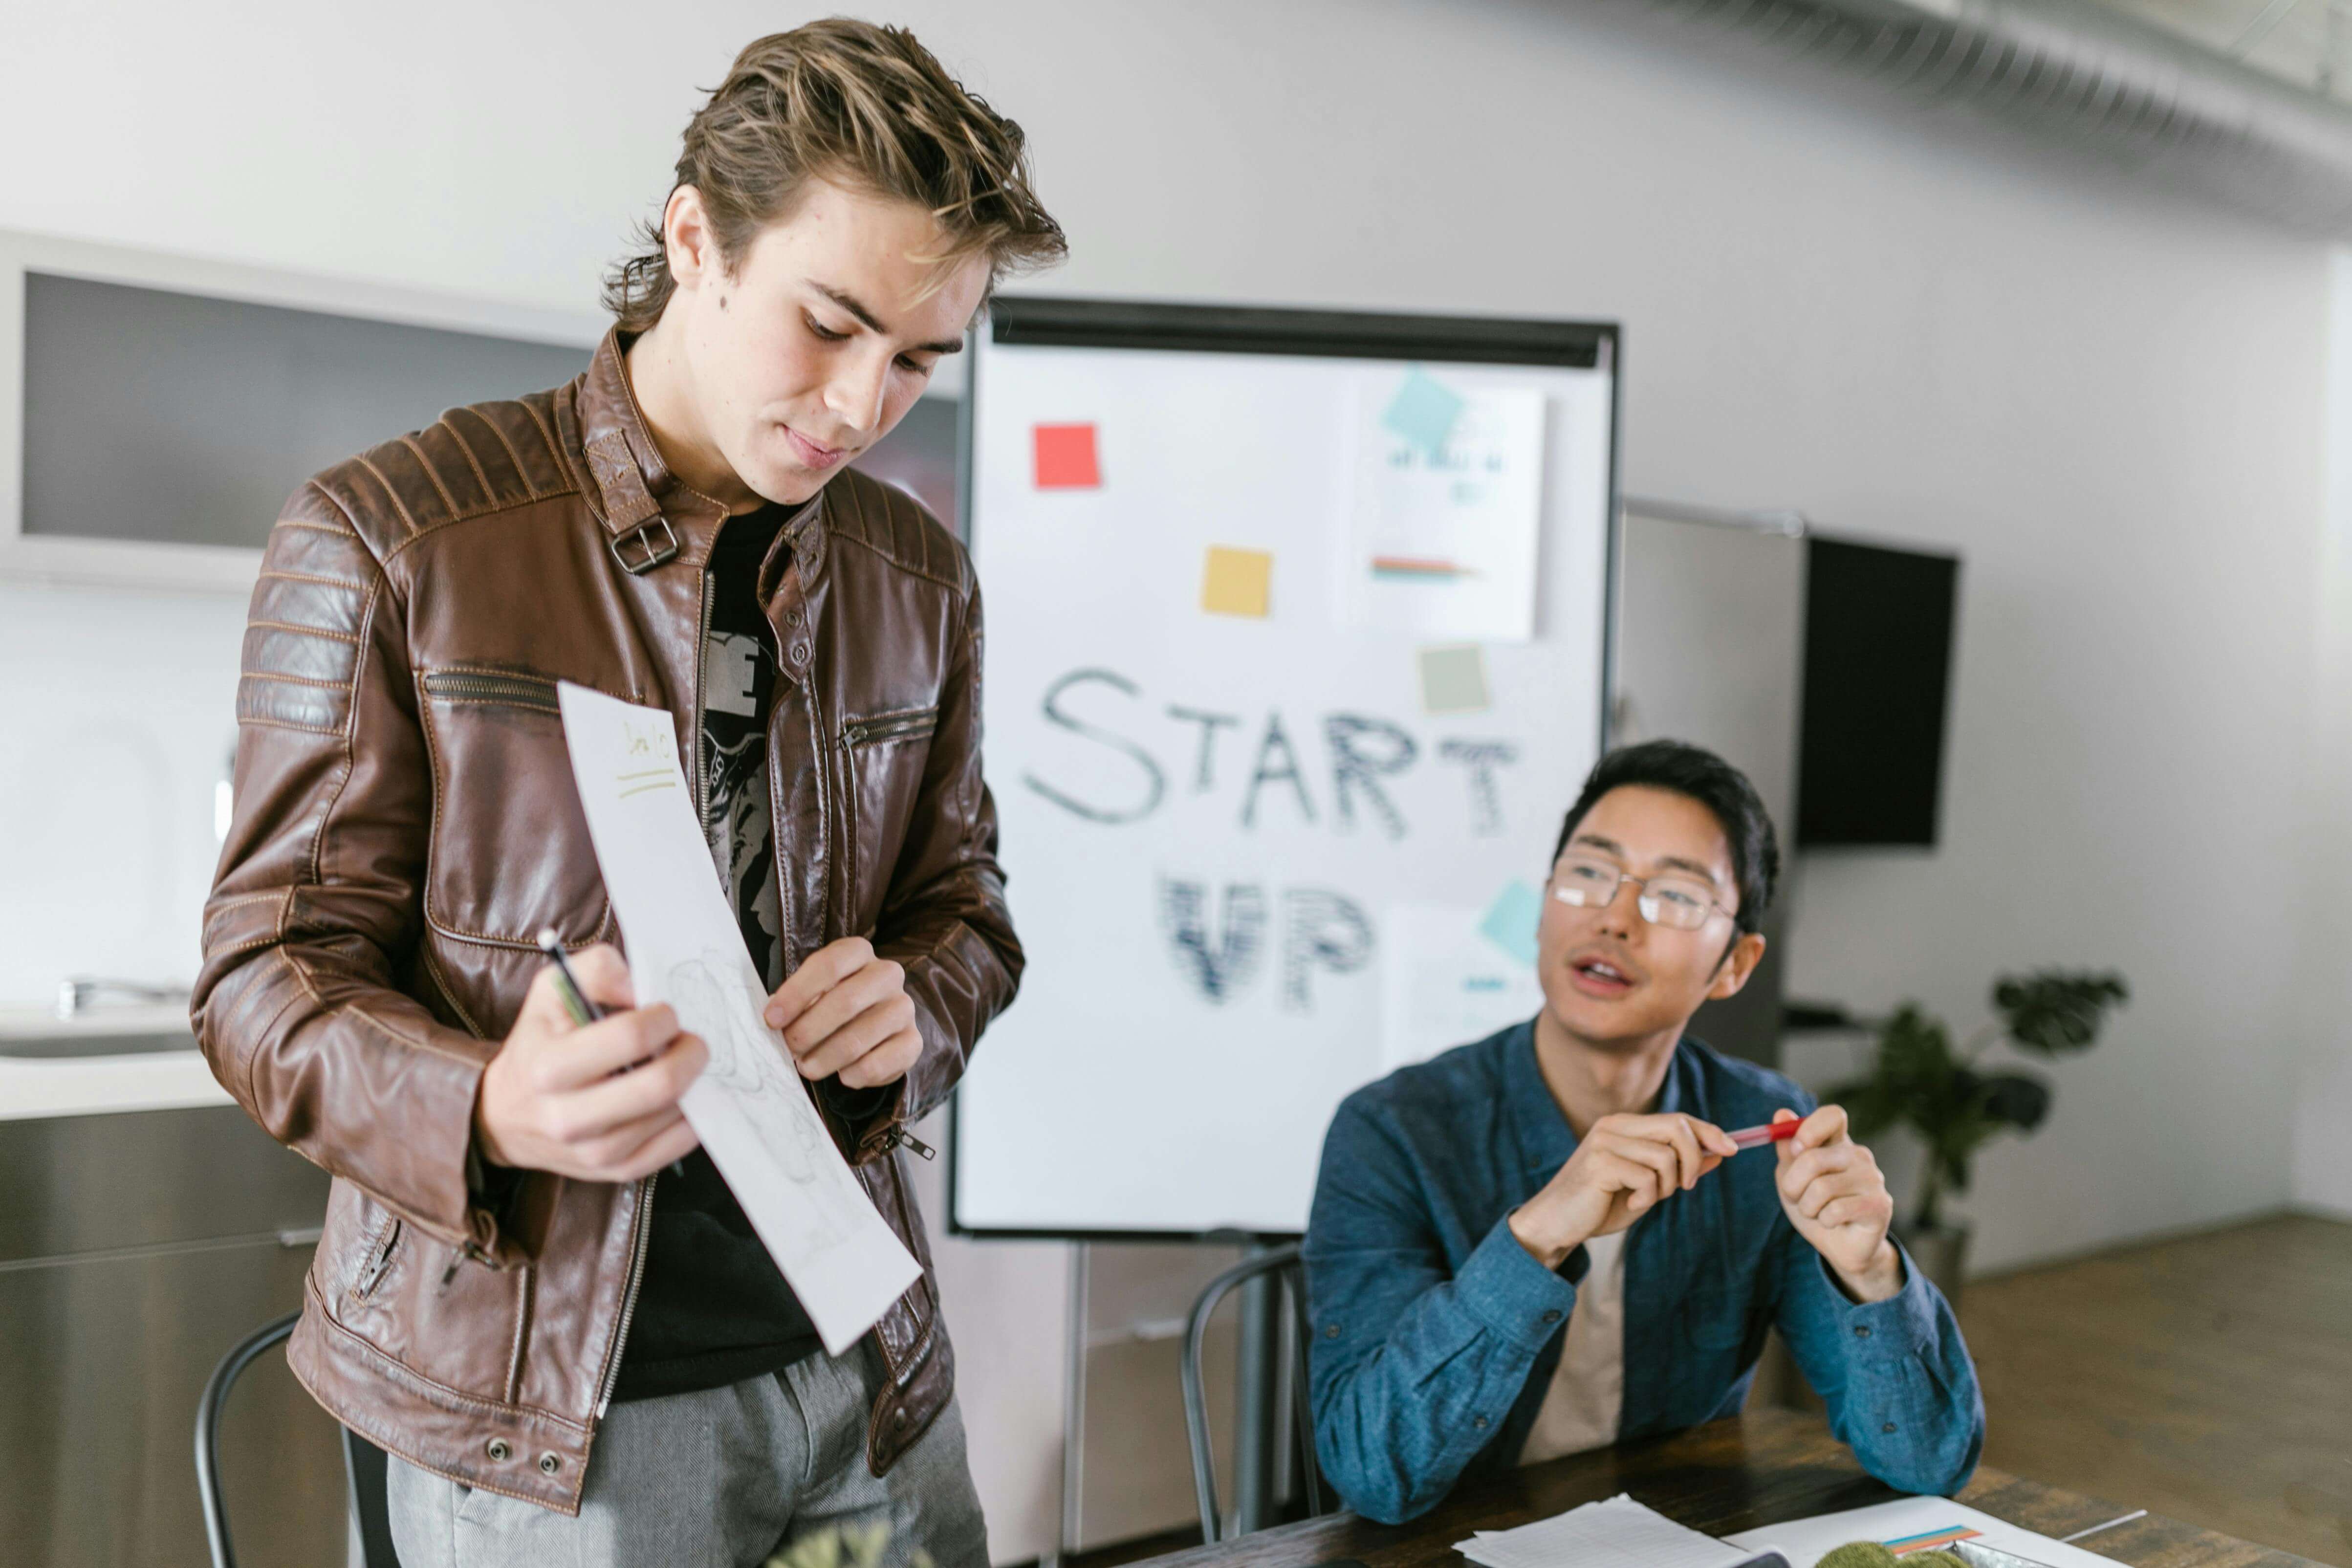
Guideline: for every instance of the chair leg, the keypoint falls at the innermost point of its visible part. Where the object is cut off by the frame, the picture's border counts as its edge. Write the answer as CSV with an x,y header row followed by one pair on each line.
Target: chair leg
x,y
365,1466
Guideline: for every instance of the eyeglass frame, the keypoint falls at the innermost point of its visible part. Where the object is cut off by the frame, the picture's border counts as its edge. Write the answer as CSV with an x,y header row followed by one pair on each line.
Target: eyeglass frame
x,y
1715,904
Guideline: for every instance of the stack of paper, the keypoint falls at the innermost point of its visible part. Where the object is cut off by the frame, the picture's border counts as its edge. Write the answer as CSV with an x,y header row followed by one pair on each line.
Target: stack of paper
x,y
1618,1533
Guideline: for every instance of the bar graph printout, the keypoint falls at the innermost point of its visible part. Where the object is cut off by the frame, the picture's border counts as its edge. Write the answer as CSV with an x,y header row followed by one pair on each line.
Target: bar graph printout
x,y
1445,507
750,1106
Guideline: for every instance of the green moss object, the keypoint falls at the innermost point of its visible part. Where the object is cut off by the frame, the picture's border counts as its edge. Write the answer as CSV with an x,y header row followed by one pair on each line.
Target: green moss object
x,y
1871,1554
1858,1554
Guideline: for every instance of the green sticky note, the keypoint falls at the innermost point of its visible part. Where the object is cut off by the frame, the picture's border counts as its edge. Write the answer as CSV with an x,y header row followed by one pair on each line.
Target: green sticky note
x,y
1424,411
1510,921
1453,679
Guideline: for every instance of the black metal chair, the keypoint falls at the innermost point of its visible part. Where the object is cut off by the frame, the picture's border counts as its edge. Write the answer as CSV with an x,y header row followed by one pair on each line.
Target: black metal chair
x,y
364,1462
1281,1262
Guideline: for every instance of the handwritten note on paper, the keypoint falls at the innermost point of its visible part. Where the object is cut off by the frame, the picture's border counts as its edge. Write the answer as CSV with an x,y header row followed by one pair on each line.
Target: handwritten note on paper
x,y
749,1105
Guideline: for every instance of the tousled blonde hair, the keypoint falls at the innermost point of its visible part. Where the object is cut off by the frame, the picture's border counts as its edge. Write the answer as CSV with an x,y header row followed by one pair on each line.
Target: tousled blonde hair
x,y
865,106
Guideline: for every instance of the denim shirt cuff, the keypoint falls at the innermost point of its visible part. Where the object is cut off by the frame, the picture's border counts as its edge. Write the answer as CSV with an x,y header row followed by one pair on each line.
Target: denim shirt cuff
x,y
1904,1323
1506,1288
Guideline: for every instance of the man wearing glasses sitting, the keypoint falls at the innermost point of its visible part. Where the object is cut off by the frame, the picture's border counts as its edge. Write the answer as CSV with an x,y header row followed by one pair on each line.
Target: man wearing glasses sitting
x,y
1546,1241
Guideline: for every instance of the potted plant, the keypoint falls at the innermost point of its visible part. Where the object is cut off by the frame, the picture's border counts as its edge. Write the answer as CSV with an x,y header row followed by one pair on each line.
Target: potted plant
x,y
1918,1080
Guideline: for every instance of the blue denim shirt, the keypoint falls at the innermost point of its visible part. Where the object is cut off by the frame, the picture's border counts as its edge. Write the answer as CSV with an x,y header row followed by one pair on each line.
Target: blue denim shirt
x,y
1435,1333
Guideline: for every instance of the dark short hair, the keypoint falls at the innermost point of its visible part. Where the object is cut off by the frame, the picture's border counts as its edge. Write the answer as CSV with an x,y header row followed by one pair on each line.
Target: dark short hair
x,y
1699,774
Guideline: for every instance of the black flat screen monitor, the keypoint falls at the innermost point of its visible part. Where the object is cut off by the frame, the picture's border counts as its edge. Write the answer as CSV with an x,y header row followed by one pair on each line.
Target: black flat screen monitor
x,y
1879,661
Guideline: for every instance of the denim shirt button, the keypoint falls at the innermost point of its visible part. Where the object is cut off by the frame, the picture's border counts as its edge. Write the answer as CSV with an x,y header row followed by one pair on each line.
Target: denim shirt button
x,y
1331,1330
1480,1423
1888,1427
1552,1315
1861,1330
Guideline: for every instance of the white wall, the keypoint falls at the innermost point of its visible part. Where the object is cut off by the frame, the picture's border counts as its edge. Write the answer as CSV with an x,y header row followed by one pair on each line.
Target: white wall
x,y
2323,1145
2111,402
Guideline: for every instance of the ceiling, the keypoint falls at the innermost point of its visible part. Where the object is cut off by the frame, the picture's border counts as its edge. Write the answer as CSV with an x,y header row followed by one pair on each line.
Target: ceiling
x,y
2306,42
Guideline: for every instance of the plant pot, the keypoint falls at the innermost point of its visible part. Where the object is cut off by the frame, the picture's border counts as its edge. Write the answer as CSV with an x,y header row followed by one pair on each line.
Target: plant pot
x,y
1940,1252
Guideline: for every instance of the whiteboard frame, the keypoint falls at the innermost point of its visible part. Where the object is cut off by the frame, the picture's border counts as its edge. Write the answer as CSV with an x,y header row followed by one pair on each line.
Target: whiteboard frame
x,y
200,568
1033,321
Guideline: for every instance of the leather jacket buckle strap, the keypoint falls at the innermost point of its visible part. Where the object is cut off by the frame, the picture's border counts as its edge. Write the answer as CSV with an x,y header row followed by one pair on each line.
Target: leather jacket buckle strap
x,y
637,551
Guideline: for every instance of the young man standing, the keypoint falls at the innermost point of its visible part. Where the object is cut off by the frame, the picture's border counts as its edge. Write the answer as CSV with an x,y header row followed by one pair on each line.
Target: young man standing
x,y
534,1290
1546,1241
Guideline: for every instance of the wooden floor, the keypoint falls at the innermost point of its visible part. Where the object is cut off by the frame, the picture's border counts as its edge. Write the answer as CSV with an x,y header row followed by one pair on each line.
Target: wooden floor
x,y
2208,1377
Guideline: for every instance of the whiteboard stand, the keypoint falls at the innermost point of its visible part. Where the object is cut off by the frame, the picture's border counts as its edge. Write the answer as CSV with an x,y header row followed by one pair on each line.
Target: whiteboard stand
x,y
1074,1409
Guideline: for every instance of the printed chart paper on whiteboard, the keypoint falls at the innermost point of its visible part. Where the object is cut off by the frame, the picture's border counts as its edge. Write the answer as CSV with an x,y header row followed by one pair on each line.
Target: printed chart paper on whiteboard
x,y
1447,508
1446,984
754,1116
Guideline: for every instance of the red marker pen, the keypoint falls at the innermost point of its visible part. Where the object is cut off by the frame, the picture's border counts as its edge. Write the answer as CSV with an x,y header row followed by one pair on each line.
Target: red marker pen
x,y
1771,1132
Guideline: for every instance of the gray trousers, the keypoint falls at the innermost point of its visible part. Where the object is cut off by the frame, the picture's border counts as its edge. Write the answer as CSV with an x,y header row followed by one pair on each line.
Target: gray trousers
x,y
723,1479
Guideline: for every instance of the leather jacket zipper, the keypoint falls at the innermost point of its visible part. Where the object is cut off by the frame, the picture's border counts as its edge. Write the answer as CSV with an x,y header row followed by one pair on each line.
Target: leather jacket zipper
x,y
901,1139
484,686
379,1262
642,1222
642,1238
891,727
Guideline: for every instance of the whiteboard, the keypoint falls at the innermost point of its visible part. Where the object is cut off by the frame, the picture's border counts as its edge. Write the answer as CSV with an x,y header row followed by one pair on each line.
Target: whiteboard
x,y
1252,869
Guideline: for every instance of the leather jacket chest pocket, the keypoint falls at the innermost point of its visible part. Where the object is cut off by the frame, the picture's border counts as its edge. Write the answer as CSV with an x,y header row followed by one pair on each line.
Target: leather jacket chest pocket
x,y
509,851
886,754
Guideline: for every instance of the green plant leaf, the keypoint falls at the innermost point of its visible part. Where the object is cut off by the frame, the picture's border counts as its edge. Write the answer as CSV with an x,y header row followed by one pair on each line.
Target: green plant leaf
x,y
2016,1099
2056,1010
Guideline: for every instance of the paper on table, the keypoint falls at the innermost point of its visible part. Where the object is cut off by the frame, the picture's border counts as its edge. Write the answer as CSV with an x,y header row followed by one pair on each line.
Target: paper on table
x,y
1446,984
753,1113
1804,1541
1618,1533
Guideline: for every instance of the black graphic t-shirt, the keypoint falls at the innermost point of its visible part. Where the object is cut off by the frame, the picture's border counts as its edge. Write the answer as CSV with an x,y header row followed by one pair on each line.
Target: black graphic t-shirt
x,y
713,1309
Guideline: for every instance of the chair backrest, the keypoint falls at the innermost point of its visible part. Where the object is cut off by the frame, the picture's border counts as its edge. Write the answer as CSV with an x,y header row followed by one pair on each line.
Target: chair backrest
x,y
1282,1263
363,1463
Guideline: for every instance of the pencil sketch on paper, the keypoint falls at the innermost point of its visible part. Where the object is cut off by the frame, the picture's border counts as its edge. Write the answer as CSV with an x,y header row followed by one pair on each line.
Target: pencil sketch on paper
x,y
756,1118
746,1058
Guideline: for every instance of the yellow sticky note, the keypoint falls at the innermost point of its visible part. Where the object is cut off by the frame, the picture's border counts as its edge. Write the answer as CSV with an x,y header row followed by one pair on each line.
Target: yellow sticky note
x,y
1236,581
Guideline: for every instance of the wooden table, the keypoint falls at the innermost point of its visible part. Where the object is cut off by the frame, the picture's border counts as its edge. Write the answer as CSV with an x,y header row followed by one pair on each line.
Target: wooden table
x,y
1759,1468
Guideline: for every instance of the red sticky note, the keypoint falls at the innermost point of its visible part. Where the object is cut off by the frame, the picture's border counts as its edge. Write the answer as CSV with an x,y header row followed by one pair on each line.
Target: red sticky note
x,y
1065,457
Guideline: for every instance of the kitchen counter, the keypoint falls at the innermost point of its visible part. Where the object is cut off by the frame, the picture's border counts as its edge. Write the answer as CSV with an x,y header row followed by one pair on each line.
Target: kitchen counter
x,y
88,1085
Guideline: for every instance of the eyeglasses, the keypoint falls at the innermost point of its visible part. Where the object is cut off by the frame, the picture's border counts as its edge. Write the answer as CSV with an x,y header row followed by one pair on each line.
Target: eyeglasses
x,y
1672,899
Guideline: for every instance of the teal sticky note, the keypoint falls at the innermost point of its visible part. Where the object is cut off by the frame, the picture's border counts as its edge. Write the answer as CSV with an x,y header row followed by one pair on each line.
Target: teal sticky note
x,y
1424,411
1510,921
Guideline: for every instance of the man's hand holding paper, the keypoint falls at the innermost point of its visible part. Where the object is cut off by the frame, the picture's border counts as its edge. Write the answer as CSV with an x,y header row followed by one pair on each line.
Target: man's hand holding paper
x,y
847,1012
596,1102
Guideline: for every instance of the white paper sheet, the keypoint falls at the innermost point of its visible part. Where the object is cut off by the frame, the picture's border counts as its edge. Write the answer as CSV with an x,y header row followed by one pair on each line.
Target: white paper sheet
x,y
1617,1533
1443,985
750,1106
1440,542
1804,1541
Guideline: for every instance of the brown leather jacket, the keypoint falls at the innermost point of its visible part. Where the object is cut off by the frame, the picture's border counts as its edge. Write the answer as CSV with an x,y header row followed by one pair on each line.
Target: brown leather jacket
x,y
406,822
